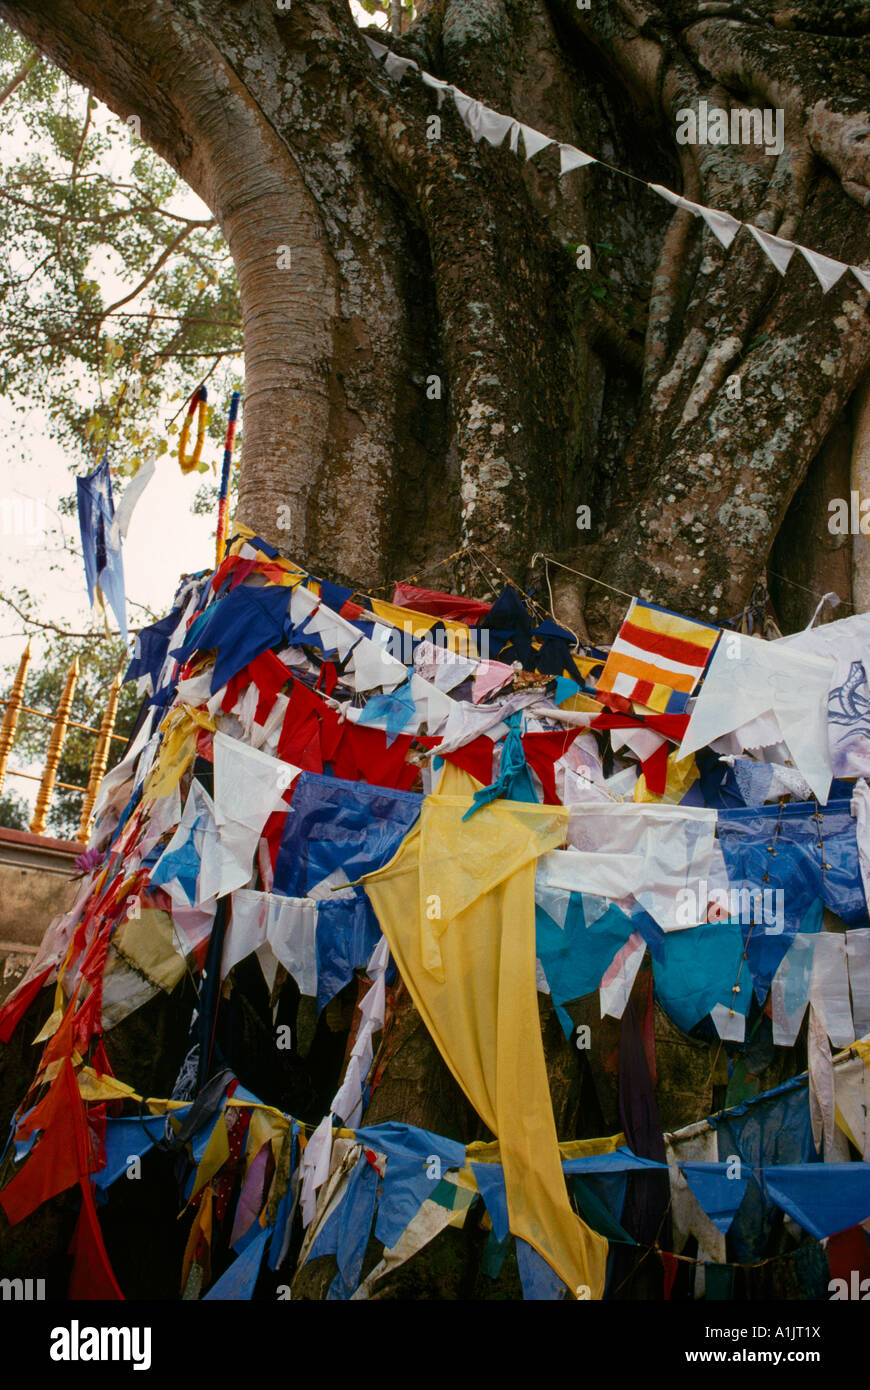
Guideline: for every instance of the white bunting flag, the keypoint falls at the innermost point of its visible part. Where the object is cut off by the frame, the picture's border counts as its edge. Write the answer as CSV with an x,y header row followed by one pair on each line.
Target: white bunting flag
x,y
723,226
572,158
534,141
442,88
827,271
776,248
132,493
486,124
397,67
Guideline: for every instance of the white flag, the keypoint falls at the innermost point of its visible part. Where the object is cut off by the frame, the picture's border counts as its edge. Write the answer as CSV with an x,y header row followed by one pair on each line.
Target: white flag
x,y
723,226
534,141
776,248
124,510
571,158
827,270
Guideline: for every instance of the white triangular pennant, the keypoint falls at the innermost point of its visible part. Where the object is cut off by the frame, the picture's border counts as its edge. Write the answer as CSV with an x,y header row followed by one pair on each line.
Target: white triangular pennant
x,y
672,197
442,88
378,49
572,158
776,248
723,226
827,271
397,67
534,141
484,123
463,102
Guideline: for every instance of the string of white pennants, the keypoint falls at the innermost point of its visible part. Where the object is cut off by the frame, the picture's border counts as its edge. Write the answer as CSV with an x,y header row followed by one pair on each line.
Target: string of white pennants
x,y
484,123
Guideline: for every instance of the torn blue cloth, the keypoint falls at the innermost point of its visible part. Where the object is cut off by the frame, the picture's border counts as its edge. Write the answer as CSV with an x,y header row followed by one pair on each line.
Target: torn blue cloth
x,y
773,1128
719,1194
345,1233
824,1198
239,1281
334,825
347,933
240,626
802,853
575,957
151,648
390,711
128,1138
182,864
416,1162
540,1283
104,568
490,1184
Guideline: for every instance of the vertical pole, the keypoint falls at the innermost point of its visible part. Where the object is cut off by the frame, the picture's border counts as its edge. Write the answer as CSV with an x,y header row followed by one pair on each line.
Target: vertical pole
x,y
13,709
101,757
55,748
224,494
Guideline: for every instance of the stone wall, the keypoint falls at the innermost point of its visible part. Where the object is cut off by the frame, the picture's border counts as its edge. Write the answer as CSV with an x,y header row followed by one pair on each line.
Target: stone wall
x,y
36,884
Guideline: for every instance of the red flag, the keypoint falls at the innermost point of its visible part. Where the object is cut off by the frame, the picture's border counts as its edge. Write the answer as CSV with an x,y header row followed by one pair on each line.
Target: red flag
x,y
671,1265
60,1158
542,751
849,1257
17,1004
92,1275
438,605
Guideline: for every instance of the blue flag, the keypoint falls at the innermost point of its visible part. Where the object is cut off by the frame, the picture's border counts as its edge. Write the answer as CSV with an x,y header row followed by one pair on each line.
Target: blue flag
x,y
104,568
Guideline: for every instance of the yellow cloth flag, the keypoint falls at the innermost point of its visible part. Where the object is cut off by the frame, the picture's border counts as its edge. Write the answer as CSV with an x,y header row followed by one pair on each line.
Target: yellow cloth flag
x,y
456,904
681,775
151,945
177,751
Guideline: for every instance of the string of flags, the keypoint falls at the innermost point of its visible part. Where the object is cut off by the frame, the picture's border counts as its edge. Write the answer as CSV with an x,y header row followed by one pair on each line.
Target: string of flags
x,y
350,796
483,123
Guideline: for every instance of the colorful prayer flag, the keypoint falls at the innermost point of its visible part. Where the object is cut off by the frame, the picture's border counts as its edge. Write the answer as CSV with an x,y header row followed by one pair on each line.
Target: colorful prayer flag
x,y
657,658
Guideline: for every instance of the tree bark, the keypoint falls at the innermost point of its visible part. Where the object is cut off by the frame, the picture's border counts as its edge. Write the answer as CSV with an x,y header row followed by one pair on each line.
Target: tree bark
x,y
373,258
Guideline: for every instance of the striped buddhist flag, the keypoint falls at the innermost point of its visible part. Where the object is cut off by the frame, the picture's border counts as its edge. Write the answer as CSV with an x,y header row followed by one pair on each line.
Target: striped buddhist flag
x,y
657,658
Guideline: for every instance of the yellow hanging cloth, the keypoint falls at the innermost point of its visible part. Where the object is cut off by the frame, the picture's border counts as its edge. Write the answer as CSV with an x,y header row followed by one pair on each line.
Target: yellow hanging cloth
x,y
457,906
177,751
681,775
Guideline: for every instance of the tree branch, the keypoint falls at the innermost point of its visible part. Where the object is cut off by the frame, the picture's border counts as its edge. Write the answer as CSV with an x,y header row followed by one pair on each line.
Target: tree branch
x,y
62,631
21,76
155,269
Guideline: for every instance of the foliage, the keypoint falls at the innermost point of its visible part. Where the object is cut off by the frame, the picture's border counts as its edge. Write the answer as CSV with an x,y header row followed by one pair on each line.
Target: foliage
x,y
14,814
98,662
374,7
116,285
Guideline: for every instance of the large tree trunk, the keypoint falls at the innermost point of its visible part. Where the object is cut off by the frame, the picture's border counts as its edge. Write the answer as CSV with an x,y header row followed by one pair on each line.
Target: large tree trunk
x,y
413,257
